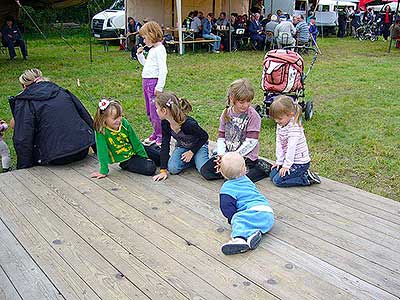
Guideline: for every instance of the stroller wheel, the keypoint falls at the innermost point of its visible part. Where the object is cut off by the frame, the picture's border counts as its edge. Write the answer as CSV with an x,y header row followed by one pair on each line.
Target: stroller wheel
x,y
309,110
258,109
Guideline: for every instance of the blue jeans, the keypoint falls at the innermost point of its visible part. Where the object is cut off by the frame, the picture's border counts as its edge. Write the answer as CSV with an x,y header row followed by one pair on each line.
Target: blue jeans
x,y
296,177
213,37
176,164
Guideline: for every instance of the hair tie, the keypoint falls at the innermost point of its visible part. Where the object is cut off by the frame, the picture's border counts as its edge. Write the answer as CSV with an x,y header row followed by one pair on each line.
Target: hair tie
x,y
169,102
37,79
103,104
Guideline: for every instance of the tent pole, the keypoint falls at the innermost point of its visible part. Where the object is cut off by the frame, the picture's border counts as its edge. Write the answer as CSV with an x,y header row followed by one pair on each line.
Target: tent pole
x,y
230,31
397,12
179,12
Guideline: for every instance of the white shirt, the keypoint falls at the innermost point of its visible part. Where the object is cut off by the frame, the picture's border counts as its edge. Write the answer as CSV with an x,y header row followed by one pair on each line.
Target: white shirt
x,y
155,65
291,145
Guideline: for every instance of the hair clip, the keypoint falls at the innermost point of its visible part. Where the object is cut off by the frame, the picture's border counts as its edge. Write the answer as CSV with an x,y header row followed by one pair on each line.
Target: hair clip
x,y
37,79
103,104
169,102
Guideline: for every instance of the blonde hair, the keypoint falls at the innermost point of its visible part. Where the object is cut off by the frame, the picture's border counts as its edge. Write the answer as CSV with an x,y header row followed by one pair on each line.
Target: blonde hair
x,y
179,107
232,165
31,76
240,90
114,108
284,105
152,30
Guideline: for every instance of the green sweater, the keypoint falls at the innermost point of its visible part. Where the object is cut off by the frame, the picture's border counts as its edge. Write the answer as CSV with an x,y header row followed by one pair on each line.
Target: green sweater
x,y
117,145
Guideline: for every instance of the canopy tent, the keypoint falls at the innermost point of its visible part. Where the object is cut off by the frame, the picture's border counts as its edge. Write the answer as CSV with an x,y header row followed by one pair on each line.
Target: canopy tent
x,y
170,12
364,3
11,7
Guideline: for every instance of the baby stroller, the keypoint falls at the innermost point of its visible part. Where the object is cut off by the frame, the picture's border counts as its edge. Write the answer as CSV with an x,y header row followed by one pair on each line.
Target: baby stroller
x,y
283,74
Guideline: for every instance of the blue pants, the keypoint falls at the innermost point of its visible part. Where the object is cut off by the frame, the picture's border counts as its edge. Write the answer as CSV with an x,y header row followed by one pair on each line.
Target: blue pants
x,y
10,44
296,177
246,222
176,164
213,37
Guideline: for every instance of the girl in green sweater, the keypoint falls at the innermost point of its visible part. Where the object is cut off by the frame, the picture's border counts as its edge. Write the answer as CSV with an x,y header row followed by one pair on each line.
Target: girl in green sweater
x,y
117,142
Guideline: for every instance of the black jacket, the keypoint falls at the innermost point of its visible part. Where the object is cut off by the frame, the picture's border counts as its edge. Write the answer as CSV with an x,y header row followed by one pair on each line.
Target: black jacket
x,y
50,123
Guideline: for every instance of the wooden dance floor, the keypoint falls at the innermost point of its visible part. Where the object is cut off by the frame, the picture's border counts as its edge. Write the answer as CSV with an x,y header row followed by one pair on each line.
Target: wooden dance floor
x,y
64,235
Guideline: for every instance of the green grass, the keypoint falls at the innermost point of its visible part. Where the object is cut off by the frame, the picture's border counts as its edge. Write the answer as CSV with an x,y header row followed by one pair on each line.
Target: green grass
x,y
353,138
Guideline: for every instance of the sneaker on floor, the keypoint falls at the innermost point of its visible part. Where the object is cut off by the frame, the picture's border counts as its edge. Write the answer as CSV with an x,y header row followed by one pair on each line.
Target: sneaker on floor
x,y
149,141
7,169
254,240
265,166
235,246
313,178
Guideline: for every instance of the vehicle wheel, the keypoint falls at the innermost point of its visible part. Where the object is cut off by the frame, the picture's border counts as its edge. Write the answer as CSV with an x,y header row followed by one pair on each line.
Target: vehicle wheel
x,y
258,109
309,110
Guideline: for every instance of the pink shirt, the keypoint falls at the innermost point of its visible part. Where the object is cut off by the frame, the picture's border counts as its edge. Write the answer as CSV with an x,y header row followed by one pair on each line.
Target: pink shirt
x,y
291,145
241,126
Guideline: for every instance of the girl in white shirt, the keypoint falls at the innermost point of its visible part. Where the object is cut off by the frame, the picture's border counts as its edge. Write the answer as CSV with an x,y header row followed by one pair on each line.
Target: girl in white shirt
x,y
153,75
292,157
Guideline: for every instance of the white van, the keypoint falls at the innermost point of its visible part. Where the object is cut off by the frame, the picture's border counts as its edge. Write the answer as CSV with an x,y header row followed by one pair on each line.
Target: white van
x,y
327,11
110,22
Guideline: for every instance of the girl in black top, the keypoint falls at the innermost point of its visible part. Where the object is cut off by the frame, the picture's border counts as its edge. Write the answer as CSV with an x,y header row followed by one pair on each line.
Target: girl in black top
x,y
191,147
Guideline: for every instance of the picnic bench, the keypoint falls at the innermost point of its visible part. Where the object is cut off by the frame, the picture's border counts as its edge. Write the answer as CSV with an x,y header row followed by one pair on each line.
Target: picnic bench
x,y
64,235
193,42
106,41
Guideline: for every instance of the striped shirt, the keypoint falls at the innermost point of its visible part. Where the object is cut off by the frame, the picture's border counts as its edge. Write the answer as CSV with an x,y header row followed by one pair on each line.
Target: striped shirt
x,y
291,145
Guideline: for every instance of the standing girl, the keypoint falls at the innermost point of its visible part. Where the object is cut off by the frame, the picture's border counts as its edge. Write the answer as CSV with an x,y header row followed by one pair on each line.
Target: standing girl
x,y
154,74
238,131
116,141
292,157
191,140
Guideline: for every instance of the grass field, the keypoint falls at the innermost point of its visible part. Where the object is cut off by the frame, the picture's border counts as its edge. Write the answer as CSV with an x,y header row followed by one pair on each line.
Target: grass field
x,y
354,136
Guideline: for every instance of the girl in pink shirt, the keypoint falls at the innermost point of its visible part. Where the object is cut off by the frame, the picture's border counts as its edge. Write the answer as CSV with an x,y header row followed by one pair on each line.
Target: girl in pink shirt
x,y
292,156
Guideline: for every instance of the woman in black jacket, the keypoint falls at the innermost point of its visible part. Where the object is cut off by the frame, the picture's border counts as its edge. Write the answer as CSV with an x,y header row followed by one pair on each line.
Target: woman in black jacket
x,y
51,124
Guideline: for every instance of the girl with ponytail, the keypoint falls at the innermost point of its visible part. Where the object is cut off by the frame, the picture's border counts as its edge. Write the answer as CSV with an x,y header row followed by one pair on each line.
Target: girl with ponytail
x,y
191,147
292,157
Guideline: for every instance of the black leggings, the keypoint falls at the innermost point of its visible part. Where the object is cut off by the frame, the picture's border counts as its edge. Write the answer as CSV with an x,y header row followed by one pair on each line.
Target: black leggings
x,y
141,165
255,172
70,158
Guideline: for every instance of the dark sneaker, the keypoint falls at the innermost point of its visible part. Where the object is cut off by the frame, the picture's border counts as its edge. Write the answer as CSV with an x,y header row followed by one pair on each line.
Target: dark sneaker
x,y
265,166
235,246
7,170
313,178
254,240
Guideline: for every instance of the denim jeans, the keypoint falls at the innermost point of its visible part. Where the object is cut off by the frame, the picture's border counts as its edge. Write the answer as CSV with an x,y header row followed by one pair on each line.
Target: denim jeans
x,y
213,37
295,177
176,164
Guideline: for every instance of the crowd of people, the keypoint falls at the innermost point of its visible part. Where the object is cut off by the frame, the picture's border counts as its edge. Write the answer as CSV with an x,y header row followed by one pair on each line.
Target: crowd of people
x,y
52,127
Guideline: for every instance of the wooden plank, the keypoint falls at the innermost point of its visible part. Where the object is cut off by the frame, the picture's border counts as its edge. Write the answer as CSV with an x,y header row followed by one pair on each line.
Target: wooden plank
x,y
296,236
279,278
172,245
7,290
103,278
26,276
68,283
127,261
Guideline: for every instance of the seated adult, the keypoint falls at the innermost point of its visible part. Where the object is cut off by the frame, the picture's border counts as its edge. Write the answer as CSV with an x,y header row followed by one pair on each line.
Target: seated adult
x,y
208,35
284,33
133,37
222,20
257,37
12,37
270,29
303,34
51,124
196,25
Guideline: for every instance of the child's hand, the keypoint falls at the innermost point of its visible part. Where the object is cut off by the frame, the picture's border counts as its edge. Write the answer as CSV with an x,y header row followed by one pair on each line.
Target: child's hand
x,y
139,50
218,163
187,156
160,177
98,175
275,165
283,171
